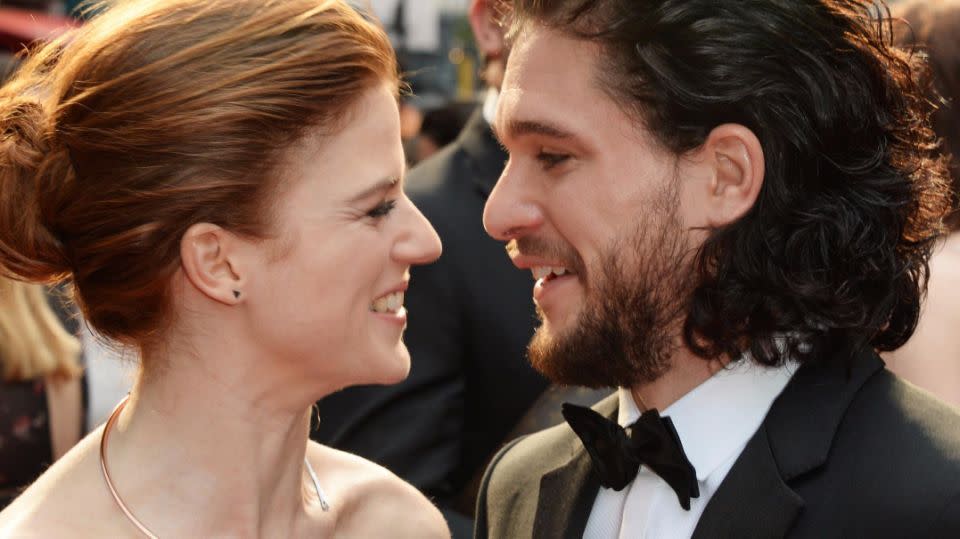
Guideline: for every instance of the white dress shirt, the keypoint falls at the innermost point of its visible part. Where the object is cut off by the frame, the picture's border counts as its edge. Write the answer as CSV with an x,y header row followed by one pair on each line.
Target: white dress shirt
x,y
714,421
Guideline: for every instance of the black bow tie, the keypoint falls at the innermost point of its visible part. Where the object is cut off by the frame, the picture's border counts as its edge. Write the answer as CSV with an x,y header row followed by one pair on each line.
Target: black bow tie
x,y
618,452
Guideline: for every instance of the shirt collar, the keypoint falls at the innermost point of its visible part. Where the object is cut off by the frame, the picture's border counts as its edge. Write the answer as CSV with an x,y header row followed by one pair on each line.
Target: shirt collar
x,y
719,416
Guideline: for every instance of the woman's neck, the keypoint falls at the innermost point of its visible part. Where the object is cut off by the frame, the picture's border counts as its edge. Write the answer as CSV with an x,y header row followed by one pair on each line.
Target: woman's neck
x,y
208,444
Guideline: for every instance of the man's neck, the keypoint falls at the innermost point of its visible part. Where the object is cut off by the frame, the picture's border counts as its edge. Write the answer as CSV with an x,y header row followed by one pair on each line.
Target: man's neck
x,y
686,373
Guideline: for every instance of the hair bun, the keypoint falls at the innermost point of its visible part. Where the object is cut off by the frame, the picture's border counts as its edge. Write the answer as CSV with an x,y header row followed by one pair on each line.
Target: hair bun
x,y
23,128
29,171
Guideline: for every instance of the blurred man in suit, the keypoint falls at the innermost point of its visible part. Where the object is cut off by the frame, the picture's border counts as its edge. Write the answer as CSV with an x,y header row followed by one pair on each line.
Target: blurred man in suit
x,y
729,208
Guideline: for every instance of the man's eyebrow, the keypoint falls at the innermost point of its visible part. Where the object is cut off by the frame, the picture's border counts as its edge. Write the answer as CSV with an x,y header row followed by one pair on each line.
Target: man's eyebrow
x,y
381,186
520,128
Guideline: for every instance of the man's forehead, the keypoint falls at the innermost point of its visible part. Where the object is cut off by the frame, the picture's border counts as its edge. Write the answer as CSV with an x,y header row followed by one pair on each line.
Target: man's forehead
x,y
542,54
549,77
552,88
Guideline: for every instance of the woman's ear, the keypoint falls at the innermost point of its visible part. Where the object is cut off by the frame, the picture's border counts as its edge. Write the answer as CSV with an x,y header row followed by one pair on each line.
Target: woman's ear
x,y
206,253
734,157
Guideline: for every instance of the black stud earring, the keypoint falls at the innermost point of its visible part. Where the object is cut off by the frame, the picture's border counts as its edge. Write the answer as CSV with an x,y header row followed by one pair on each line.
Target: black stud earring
x,y
236,294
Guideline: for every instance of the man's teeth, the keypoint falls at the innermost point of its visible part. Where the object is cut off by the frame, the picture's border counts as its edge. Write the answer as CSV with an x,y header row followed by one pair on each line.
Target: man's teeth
x,y
390,303
542,272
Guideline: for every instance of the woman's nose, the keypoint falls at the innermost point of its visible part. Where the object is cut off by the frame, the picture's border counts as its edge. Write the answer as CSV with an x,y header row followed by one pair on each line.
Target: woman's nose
x,y
421,245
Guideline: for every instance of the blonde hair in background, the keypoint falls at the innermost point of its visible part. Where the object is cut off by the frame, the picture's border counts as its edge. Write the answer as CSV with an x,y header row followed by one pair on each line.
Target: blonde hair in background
x,y
33,342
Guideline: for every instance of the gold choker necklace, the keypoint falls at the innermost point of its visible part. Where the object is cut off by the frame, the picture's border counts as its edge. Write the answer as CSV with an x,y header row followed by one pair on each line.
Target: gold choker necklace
x,y
123,507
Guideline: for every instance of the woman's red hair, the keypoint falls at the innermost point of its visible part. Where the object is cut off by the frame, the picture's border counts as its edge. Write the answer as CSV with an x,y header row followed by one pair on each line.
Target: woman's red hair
x,y
157,115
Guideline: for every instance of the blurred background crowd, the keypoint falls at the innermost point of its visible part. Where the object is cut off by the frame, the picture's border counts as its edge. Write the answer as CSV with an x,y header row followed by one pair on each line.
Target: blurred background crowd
x,y
470,388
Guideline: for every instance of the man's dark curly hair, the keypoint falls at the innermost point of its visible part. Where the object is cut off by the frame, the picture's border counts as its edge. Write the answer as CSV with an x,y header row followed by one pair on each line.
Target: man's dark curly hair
x,y
933,28
832,258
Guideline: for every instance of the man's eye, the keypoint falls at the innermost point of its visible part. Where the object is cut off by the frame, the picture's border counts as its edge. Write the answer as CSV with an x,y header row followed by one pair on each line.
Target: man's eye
x,y
382,209
549,160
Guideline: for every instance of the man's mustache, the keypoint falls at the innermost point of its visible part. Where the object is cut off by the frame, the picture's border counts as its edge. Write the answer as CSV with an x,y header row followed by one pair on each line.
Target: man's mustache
x,y
556,251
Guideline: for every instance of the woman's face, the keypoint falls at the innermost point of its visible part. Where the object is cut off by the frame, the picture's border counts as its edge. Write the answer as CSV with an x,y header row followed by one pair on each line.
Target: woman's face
x,y
327,297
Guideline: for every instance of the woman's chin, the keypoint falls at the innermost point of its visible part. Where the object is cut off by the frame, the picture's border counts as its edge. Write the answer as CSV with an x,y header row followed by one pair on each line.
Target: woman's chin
x,y
395,368
402,364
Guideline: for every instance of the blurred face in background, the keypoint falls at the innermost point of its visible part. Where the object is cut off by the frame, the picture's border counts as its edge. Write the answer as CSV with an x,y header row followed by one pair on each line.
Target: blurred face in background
x,y
328,294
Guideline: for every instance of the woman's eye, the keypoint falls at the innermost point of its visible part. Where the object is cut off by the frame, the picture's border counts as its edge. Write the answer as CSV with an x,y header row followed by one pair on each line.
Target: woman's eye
x,y
382,209
549,160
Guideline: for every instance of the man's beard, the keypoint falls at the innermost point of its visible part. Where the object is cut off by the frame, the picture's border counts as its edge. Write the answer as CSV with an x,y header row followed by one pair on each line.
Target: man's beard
x,y
633,312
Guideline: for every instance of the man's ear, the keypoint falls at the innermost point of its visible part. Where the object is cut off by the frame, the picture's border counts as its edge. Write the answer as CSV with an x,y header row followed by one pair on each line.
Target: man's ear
x,y
735,161
206,253
486,30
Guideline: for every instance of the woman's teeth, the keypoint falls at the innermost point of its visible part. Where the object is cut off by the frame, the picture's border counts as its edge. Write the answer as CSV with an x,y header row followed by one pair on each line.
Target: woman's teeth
x,y
391,303
542,272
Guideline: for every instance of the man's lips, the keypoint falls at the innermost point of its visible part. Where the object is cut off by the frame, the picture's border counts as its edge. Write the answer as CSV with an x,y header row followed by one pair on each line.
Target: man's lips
x,y
548,286
529,262
543,269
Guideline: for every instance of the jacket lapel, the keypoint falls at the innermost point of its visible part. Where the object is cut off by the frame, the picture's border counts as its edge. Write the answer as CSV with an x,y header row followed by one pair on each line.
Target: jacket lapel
x,y
566,498
755,499
568,491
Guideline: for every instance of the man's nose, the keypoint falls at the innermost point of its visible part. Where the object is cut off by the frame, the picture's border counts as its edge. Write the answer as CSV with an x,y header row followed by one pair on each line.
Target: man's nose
x,y
513,210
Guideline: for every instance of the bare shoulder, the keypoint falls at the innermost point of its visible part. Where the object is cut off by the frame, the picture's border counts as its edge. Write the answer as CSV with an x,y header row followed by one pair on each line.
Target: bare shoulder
x,y
370,501
931,358
67,500
945,263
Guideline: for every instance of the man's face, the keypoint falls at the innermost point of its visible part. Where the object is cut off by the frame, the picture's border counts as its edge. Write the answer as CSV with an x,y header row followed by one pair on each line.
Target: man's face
x,y
596,210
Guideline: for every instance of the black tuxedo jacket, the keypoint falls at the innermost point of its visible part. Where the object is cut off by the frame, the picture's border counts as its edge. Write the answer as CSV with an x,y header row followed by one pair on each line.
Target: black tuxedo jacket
x,y
471,317
841,453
